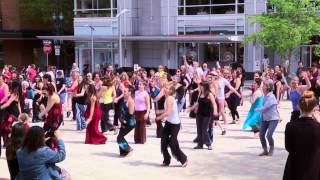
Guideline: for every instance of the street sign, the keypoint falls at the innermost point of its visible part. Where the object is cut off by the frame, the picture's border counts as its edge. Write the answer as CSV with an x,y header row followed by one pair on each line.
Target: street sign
x,y
47,49
57,50
47,46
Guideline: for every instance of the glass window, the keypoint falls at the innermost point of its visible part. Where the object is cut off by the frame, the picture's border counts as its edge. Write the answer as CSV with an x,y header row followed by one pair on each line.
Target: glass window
x,y
181,10
197,30
197,10
240,1
103,4
197,2
93,8
229,9
240,9
181,2
223,2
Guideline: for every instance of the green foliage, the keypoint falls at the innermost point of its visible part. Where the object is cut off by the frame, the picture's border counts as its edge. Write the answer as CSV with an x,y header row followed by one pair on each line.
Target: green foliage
x,y
43,10
292,24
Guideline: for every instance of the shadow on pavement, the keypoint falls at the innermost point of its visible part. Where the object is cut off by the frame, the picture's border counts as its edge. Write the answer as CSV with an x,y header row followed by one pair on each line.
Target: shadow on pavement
x,y
113,155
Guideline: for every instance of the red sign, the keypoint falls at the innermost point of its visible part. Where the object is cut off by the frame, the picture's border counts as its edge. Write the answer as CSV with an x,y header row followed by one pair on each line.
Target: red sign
x,y
47,48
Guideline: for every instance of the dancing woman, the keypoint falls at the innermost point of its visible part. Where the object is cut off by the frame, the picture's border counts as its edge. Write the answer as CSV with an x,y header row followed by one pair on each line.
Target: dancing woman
x,y
93,116
142,110
207,107
13,107
295,93
221,83
232,99
254,118
81,105
118,101
107,95
270,118
160,100
53,111
171,129
127,120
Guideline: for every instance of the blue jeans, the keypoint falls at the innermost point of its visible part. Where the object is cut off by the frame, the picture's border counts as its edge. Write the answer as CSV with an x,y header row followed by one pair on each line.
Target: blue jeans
x,y
62,97
269,126
81,120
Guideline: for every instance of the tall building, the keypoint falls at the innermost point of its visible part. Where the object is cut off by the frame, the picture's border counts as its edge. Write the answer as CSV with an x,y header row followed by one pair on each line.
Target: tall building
x,y
155,32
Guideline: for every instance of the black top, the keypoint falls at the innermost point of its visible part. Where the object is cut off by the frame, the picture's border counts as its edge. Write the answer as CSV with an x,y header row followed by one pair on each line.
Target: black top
x,y
275,89
161,103
81,99
13,109
302,141
314,87
205,106
119,93
60,82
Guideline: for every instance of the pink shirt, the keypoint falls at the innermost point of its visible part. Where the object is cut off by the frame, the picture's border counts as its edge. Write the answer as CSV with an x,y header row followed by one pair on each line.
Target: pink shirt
x,y
140,100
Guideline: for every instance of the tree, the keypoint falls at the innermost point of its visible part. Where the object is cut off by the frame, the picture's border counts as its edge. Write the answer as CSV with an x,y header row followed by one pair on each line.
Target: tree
x,y
43,10
292,24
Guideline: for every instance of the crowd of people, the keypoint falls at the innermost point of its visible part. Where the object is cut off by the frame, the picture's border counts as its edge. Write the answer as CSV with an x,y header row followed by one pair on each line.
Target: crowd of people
x,y
205,93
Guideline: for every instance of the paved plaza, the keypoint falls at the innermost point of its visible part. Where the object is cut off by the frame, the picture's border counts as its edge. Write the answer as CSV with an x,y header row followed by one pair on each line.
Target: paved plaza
x,y
234,156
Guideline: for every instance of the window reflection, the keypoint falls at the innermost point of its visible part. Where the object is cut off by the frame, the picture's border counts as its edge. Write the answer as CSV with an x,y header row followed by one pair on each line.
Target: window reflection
x,y
204,7
96,8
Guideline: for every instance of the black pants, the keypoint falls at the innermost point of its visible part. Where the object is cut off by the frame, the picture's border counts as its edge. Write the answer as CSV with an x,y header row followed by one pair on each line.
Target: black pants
x,y
294,115
202,130
105,122
117,108
233,109
124,147
159,127
73,108
170,138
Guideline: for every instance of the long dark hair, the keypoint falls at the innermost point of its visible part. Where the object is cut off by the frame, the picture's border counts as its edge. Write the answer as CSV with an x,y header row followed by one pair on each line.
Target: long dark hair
x,y
34,139
17,90
17,135
91,91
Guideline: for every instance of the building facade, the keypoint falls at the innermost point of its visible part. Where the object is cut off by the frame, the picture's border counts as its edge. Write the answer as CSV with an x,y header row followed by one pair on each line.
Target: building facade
x,y
160,32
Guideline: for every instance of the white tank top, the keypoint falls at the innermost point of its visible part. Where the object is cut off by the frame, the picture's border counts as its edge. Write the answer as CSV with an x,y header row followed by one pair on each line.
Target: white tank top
x,y
174,118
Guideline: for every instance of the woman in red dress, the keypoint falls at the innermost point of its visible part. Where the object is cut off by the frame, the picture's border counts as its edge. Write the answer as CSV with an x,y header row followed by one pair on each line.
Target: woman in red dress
x,y
93,116
52,113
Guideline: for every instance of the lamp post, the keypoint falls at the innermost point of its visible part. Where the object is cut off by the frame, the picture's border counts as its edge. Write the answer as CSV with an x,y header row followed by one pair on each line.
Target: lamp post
x,y
120,34
92,50
58,17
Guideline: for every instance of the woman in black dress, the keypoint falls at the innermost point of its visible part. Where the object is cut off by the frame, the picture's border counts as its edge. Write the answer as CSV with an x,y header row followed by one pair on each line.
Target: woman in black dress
x,y
232,99
302,141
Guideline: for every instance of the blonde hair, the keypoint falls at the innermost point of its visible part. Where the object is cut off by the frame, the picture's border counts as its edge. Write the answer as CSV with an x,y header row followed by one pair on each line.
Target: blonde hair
x,y
307,102
24,118
171,87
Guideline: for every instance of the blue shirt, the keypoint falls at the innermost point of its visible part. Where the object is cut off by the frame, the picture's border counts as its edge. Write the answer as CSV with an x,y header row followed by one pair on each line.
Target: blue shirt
x,y
39,164
269,111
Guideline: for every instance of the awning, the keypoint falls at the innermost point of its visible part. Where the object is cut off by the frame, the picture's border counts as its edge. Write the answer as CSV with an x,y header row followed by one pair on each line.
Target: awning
x,y
179,38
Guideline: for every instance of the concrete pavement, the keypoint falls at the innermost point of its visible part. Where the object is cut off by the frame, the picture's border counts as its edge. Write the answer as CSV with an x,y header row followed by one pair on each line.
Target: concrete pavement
x,y
234,156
